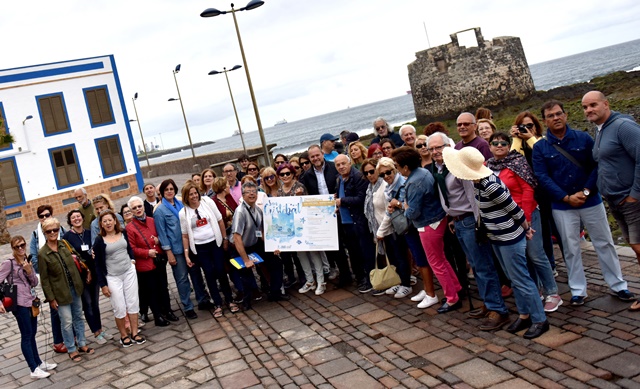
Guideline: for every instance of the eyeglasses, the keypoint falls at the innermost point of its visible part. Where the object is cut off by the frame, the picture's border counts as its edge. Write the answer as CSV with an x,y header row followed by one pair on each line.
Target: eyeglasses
x,y
464,124
136,207
370,172
44,215
436,148
381,127
377,153
502,143
284,174
252,169
21,246
228,171
55,230
386,148
279,162
271,177
126,212
305,163
387,173
420,145
250,191
553,115
528,125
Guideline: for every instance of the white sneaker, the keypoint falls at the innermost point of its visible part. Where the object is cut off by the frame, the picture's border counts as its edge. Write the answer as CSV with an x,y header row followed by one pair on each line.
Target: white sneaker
x,y
393,290
321,289
333,273
428,301
107,335
47,366
403,292
307,287
413,280
100,339
420,296
39,373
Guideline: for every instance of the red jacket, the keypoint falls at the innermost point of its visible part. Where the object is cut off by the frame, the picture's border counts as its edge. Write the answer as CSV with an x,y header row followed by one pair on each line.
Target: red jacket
x,y
521,192
140,248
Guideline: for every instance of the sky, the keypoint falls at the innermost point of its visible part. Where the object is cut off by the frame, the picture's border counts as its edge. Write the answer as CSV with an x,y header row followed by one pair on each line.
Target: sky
x,y
305,58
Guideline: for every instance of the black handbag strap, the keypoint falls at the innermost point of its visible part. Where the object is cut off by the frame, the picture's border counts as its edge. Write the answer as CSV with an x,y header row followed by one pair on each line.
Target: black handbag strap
x,y
141,234
567,155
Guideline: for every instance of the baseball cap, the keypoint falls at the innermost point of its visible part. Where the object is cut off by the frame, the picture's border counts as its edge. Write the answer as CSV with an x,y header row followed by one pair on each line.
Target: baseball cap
x,y
327,136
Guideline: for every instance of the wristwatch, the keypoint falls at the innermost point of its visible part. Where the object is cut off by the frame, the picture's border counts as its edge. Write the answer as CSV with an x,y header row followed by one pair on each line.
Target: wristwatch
x,y
586,192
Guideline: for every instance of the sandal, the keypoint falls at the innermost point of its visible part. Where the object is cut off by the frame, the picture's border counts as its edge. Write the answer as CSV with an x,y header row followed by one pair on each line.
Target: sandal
x,y
138,338
126,342
233,307
217,312
86,350
75,357
635,306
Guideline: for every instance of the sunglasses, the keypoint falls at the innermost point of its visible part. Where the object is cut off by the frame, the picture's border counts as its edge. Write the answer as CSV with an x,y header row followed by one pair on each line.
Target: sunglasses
x,y
387,173
528,125
381,127
21,246
465,124
421,145
305,163
279,162
502,143
136,207
44,215
284,174
271,177
55,230
370,172
252,169
297,167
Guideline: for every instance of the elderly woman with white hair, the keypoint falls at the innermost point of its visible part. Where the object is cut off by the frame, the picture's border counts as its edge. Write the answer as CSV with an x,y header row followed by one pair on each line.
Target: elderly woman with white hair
x,y
150,264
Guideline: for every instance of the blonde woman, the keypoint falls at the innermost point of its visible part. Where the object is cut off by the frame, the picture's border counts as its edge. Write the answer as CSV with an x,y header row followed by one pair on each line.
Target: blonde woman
x,y
357,153
270,183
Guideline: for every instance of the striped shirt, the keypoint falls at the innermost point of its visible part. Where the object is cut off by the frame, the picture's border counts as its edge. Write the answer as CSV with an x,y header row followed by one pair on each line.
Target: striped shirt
x,y
500,214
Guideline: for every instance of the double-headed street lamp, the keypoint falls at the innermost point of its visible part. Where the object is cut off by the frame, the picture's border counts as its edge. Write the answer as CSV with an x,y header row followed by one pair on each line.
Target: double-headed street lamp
x,y
225,71
196,167
144,146
211,12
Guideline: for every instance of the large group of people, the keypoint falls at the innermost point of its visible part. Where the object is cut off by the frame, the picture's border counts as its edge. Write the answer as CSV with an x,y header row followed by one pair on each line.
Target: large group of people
x,y
485,208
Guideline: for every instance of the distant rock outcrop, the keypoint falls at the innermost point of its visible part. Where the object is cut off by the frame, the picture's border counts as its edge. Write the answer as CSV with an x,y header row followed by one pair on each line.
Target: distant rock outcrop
x,y
449,79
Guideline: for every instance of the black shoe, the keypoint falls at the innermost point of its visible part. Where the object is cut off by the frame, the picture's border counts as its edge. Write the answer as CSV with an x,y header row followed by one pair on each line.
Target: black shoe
x,y
171,316
161,322
536,330
625,295
279,297
448,308
289,284
145,317
206,306
519,325
191,314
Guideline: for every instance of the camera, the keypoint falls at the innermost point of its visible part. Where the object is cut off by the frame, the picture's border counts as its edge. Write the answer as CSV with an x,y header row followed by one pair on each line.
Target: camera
x,y
36,303
522,129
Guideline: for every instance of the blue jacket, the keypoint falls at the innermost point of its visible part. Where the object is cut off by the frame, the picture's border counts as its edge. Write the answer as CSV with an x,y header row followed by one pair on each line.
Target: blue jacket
x,y
560,177
355,191
168,229
423,202
617,152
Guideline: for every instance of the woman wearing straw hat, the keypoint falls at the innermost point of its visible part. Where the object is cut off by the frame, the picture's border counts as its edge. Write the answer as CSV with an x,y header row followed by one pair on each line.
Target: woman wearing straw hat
x,y
508,230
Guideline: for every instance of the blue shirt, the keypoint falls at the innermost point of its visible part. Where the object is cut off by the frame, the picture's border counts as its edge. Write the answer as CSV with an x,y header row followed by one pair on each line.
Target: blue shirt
x,y
331,156
345,216
423,204
168,229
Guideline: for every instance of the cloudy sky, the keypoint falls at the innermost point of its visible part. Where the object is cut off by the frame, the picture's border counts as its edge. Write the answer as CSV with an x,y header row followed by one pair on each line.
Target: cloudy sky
x,y
306,57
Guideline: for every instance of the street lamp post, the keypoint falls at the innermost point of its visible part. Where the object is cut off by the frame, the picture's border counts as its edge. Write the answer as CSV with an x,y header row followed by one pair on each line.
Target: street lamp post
x,y
196,166
235,111
211,12
144,146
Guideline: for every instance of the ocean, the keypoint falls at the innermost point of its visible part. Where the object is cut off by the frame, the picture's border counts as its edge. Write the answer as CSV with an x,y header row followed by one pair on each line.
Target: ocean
x,y
399,110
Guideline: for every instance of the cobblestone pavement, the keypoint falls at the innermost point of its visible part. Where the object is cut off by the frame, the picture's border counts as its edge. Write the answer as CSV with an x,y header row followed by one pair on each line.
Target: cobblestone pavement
x,y
344,339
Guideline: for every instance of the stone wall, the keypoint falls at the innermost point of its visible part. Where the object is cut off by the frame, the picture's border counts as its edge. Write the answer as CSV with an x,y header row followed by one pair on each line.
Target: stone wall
x,y
450,79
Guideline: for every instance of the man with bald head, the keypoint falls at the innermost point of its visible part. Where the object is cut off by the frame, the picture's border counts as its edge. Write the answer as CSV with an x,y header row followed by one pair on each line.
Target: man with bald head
x,y
467,126
86,207
408,135
617,152
351,190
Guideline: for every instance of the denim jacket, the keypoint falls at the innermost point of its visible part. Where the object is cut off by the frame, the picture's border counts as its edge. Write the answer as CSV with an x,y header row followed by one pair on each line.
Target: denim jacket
x,y
168,229
423,203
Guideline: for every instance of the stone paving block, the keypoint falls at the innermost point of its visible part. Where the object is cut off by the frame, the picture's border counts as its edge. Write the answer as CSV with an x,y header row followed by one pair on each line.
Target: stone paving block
x,y
130,380
355,379
223,356
625,364
479,373
448,356
408,335
361,309
164,366
239,380
230,367
172,375
336,295
322,355
375,316
297,333
309,344
597,350
216,345
184,383
285,324
335,367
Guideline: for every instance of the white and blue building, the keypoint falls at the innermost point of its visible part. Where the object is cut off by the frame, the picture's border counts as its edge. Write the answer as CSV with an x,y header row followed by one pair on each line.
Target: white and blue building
x,y
71,130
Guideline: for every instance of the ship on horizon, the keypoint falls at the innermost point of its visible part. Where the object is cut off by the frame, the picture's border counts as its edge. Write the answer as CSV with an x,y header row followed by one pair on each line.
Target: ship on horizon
x,y
281,122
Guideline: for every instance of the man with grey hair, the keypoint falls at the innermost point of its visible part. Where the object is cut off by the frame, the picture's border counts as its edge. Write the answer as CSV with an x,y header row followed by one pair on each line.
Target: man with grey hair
x,y
86,207
408,135
467,126
230,172
384,130
457,198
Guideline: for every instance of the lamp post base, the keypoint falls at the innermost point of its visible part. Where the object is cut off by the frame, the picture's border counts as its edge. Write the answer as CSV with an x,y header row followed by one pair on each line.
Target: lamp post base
x,y
196,168
150,174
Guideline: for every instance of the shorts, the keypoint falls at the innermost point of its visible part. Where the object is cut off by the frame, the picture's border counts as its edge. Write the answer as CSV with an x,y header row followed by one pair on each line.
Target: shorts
x,y
627,215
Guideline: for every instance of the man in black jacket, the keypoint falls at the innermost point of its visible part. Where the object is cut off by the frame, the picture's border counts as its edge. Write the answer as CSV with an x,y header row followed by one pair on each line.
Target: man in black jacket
x,y
351,190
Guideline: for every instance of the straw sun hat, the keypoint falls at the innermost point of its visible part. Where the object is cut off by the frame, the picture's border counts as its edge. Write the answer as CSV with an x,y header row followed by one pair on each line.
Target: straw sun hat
x,y
465,164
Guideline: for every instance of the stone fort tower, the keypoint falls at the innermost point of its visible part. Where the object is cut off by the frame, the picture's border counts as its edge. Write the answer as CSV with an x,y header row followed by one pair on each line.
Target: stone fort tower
x,y
450,79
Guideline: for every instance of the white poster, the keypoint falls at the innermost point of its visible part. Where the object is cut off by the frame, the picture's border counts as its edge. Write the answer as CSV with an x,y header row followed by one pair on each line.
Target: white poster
x,y
300,223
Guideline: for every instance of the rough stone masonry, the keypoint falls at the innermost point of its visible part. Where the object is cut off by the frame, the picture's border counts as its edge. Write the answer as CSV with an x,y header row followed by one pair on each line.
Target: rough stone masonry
x,y
449,79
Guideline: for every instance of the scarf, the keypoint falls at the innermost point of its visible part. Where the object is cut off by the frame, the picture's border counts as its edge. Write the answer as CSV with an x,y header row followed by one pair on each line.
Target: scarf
x,y
440,181
368,205
142,219
517,163
394,188
175,209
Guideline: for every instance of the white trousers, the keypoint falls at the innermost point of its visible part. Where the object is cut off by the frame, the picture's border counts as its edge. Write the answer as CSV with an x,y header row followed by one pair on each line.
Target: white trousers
x,y
124,293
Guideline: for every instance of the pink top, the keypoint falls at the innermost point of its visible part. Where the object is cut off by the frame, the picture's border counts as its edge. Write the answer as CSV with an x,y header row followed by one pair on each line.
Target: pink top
x,y
21,280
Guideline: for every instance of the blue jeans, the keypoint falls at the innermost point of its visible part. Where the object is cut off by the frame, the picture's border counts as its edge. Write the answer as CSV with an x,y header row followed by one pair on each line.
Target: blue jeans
x,y
537,256
481,261
195,273
56,329
72,320
28,327
91,306
211,258
514,262
180,274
